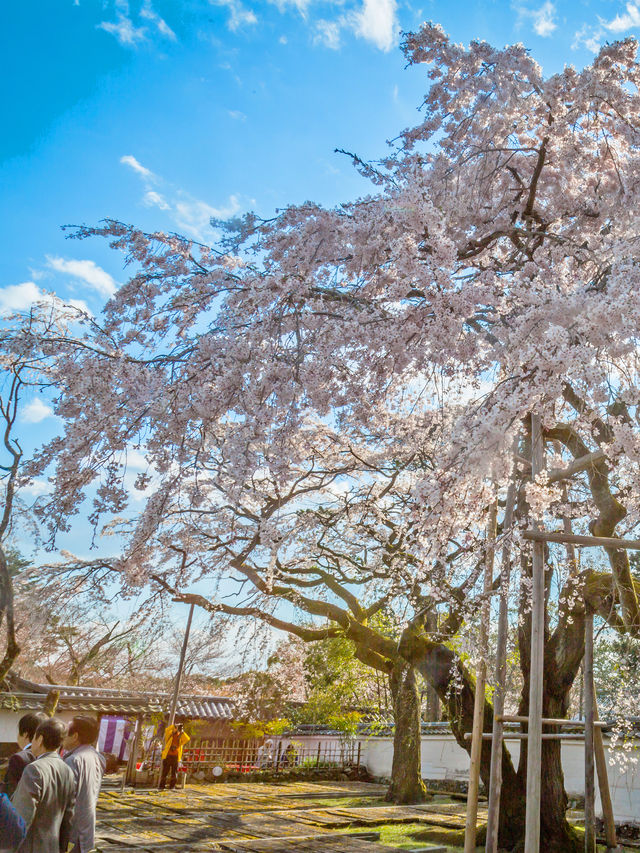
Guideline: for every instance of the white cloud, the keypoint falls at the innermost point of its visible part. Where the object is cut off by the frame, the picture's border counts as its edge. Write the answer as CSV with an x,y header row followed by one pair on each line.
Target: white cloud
x,y
18,297
127,33
626,21
328,34
150,15
542,19
300,5
124,30
376,22
239,16
589,37
35,411
153,199
130,160
191,215
194,216
87,271
237,115
22,297
37,487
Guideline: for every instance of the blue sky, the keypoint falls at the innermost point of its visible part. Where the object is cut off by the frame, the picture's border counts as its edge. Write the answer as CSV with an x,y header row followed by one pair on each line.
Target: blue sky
x,y
166,113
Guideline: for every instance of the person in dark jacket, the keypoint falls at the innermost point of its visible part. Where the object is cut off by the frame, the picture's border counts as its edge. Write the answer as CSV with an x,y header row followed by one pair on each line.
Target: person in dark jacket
x,y
46,793
27,726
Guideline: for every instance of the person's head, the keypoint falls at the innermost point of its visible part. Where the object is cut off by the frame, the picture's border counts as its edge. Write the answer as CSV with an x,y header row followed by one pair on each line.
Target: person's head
x,y
27,726
82,730
180,726
48,736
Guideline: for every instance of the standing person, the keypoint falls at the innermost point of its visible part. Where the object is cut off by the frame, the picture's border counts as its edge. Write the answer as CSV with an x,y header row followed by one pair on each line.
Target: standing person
x,y
45,795
27,725
88,766
174,740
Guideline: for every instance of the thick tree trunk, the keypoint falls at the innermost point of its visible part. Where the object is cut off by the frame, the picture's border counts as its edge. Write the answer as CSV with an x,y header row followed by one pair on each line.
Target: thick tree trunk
x,y
406,780
440,667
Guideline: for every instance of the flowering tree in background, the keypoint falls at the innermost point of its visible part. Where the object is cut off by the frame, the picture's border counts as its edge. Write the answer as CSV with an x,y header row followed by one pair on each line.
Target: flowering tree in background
x,y
493,272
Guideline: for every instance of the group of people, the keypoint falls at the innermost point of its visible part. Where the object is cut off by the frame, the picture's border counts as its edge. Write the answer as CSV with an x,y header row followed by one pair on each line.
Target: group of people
x,y
51,787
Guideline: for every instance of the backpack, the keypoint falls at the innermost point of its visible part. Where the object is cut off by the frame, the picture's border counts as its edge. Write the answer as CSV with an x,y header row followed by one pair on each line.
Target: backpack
x,y
174,744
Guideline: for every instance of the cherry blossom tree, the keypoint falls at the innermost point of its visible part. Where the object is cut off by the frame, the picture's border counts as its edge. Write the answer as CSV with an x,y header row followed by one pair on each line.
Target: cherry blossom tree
x,y
491,273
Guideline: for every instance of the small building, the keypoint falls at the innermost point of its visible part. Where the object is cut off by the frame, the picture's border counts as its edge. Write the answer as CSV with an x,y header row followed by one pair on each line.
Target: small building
x,y
213,713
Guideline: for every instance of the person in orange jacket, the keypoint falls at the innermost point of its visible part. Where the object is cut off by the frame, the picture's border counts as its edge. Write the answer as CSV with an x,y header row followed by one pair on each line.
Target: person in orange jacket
x,y
174,740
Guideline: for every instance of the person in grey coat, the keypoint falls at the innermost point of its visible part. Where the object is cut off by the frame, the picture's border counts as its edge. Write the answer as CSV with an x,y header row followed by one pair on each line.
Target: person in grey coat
x,y
45,795
88,766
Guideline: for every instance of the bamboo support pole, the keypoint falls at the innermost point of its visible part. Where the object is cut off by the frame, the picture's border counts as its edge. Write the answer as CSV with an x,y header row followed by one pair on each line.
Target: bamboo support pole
x,y
479,698
585,541
589,776
534,753
495,775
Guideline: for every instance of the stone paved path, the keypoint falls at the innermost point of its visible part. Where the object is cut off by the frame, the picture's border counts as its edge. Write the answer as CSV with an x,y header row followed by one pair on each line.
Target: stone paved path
x,y
254,818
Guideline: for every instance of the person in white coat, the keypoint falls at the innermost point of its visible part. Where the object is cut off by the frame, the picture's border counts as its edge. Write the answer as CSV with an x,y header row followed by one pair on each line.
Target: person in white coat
x,y
88,767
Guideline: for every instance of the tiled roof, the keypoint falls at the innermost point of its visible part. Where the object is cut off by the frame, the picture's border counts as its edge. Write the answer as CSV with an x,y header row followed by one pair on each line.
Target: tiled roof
x,y
105,701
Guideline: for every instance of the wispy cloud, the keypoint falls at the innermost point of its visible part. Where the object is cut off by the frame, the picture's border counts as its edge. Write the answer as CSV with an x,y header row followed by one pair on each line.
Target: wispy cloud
x,y
628,20
189,214
35,411
237,115
239,15
87,271
127,32
589,37
153,199
301,5
592,36
161,25
123,28
130,160
542,18
328,34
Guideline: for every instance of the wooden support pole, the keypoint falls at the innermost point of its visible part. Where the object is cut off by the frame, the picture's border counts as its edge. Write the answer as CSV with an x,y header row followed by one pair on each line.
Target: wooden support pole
x,y
495,776
589,777
183,652
479,698
585,541
534,752
525,736
551,721
603,780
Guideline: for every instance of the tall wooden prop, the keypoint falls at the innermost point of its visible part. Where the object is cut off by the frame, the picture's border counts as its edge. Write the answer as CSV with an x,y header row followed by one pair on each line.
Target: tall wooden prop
x,y
603,781
589,775
534,751
481,678
183,652
495,779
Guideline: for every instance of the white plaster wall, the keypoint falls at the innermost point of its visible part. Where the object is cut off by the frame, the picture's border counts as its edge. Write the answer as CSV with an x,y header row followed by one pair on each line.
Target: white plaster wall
x,y
443,758
9,723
